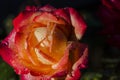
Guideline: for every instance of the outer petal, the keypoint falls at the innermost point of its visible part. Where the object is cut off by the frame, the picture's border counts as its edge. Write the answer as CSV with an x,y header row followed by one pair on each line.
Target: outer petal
x,y
26,17
12,60
77,22
30,77
47,8
21,19
48,17
81,63
8,52
73,18
63,13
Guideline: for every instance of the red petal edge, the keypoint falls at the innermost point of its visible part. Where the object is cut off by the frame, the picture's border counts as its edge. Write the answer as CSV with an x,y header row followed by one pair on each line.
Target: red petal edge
x,y
30,77
8,55
77,22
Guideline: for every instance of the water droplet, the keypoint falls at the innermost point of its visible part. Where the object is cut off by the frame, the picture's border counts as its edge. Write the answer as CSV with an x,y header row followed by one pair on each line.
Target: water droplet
x,y
4,43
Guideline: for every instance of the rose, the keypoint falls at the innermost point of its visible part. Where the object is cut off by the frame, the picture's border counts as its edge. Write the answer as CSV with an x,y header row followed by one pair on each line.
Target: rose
x,y
44,44
110,16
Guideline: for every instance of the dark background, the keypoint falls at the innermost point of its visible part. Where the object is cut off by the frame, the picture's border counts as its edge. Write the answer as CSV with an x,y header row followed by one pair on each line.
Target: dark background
x,y
104,59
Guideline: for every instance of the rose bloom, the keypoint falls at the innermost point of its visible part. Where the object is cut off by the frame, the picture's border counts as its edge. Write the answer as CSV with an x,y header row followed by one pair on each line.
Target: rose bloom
x,y
44,44
109,13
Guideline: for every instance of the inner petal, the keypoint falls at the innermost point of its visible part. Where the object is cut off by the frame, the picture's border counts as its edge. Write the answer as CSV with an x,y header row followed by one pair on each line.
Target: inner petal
x,y
58,44
40,33
41,58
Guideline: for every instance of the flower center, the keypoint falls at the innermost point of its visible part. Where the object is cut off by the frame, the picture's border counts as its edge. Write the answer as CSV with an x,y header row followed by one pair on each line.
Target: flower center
x,y
40,33
50,44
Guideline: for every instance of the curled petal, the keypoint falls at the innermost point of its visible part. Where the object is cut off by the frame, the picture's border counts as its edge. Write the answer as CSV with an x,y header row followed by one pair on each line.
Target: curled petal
x,y
81,63
64,13
64,60
77,22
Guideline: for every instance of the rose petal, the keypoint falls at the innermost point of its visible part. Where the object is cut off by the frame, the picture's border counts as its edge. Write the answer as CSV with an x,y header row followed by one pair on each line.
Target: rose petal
x,y
81,63
47,8
21,19
77,22
30,77
64,60
31,8
8,53
46,17
63,13
24,18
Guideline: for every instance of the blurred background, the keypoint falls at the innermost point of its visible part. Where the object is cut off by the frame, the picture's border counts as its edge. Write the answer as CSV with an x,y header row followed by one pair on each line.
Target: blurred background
x,y
104,58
